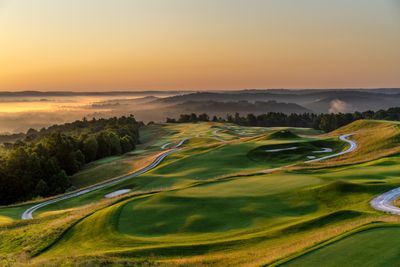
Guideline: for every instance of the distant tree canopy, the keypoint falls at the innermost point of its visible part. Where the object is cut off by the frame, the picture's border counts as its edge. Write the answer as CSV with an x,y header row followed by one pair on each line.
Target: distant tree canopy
x,y
41,163
324,122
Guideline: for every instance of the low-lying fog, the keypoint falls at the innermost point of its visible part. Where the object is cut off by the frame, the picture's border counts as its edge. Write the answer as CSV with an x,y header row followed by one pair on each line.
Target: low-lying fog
x,y
20,111
20,114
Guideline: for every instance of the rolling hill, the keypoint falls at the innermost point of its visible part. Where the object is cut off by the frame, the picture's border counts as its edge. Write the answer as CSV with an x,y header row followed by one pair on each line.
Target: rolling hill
x,y
230,196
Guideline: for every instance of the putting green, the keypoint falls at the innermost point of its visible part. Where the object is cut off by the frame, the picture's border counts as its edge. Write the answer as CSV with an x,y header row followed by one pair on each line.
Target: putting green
x,y
295,151
373,247
238,204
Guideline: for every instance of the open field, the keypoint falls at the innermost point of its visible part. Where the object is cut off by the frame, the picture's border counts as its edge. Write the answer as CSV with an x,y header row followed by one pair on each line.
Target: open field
x,y
230,196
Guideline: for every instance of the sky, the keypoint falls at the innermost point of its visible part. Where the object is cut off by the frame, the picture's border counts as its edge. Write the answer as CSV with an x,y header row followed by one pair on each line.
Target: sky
x,y
102,45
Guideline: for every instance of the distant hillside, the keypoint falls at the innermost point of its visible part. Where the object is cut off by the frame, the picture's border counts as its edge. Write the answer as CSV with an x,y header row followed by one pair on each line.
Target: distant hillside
x,y
94,93
320,101
124,102
351,102
243,107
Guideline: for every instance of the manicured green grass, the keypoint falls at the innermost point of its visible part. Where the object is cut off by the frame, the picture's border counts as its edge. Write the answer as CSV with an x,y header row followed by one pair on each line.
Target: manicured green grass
x,y
214,213
199,161
12,213
373,247
213,203
152,138
238,204
104,170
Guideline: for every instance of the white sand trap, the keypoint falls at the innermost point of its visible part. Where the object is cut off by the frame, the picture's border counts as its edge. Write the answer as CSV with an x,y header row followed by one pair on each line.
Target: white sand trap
x,y
165,145
117,193
324,150
282,149
181,143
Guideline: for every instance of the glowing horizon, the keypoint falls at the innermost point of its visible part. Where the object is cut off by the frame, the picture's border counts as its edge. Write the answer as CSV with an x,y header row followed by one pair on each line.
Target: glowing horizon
x,y
105,45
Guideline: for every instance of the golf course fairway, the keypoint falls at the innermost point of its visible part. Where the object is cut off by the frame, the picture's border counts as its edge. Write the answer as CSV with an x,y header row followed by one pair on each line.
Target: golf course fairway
x,y
373,247
218,194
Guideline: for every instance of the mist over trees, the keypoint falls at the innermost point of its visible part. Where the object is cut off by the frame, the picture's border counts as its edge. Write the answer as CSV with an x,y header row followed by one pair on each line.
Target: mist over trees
x,y
41,164
324,122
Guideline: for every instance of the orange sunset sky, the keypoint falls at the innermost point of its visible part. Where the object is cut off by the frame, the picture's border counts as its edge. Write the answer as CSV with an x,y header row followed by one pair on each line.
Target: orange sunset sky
x,y
193,45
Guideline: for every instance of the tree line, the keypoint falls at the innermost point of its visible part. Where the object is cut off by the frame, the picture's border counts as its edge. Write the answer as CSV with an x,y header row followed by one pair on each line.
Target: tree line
x,y
324,122
41,163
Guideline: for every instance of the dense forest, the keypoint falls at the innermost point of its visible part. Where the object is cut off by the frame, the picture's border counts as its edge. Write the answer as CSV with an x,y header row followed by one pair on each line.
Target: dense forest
x,y
41,163
324,122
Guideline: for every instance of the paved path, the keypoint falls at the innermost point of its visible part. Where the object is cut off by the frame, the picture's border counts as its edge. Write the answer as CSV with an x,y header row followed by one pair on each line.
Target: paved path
x,y
385,201
28,214
183,141
353,146
164,146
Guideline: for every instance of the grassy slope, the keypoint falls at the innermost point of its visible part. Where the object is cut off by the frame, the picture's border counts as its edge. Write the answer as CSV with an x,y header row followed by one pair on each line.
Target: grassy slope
x,y
233,221
152,138
242,208
376,139
196,163
111,167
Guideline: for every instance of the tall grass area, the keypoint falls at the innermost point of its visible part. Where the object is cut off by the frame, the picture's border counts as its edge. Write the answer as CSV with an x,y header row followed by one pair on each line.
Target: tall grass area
x,y
376,139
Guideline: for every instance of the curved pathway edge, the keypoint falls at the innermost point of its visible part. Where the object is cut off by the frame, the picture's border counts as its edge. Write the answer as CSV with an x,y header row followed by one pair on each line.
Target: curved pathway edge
x,y
28,214
385,202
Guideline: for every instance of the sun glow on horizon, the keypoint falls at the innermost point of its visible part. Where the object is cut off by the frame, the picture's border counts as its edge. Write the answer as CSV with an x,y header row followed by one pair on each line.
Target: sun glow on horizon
x,y
187,44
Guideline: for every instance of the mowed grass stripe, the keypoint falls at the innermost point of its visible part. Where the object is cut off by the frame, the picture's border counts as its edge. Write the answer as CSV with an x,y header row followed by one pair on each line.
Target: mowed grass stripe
x,y
372,247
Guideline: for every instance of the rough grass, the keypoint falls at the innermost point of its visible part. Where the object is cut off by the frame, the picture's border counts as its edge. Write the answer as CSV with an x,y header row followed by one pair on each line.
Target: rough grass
x,y
117,166
376,139
5,220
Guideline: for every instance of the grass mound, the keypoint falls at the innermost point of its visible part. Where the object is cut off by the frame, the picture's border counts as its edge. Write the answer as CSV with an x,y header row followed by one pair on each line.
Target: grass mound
x,y
324,220
172,214
283,134
338,188
200,141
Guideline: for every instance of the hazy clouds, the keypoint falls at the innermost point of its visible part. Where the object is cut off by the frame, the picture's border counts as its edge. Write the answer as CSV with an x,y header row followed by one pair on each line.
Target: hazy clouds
x,y
339,106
